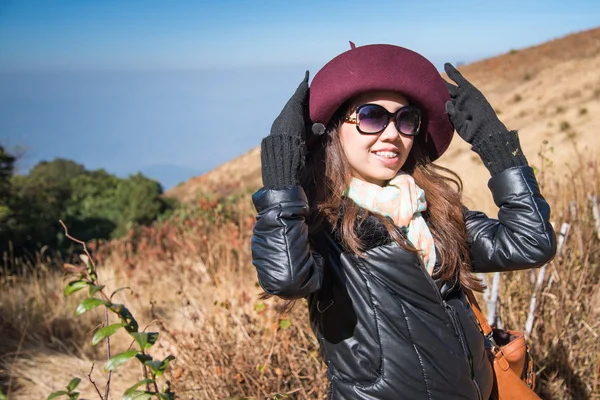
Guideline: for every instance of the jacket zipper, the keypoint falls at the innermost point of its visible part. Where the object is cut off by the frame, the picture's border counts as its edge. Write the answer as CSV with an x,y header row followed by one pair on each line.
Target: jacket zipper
x,y
451,312
456,325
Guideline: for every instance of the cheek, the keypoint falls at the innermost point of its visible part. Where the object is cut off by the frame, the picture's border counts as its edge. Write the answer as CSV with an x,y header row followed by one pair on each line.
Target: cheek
x,y
353,142
407,143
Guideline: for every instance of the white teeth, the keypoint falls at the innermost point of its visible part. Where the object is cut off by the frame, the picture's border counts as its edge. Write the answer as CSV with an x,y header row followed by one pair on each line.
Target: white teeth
x,y
386,154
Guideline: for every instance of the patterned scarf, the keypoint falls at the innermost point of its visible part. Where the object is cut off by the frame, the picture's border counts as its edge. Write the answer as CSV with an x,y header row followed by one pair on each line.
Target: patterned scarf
x,y
403,201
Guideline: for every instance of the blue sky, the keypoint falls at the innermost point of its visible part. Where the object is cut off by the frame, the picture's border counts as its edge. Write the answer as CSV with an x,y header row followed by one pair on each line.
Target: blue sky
x,y
175,88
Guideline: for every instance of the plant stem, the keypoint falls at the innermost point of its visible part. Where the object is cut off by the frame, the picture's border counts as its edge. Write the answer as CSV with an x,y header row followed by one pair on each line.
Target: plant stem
x,y
155,385
107,355
94,383
145,373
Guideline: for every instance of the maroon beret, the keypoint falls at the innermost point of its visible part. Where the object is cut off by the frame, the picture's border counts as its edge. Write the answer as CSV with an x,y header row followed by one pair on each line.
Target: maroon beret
x,y
385,67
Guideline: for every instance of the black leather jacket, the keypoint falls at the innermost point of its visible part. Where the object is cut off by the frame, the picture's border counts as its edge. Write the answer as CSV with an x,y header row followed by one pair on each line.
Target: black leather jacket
x,y
387,329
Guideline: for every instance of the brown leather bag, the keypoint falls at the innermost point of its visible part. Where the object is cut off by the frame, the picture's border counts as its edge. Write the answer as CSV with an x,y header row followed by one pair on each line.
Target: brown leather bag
x,y
513,365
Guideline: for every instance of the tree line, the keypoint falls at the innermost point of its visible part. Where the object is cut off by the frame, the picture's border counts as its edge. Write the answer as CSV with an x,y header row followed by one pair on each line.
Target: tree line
x,y
93,204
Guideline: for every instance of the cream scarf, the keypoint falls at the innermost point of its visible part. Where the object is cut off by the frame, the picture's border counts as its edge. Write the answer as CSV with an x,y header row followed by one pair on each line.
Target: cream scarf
x,y
403,201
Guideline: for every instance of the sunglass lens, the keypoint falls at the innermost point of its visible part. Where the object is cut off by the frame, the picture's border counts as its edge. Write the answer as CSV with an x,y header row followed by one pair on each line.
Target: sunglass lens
x,y
408,121
371,118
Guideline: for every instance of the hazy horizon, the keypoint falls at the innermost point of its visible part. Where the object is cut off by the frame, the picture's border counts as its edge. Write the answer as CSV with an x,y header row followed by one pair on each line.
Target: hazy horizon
x,y
174,91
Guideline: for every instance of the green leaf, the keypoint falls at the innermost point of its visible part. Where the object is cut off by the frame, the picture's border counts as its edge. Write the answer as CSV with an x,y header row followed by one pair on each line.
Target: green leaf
x,y
74,396
284,323
73,384
74,286
2,396
153,364
133,389
120,289
138,395
54,395
143,357
88,263
95,289
260,307
115,361
159,367
106,332
171,396
131,324
145,339
89,304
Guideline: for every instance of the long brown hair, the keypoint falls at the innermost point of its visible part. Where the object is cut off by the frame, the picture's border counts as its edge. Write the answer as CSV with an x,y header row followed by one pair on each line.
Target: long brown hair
x,y
327,175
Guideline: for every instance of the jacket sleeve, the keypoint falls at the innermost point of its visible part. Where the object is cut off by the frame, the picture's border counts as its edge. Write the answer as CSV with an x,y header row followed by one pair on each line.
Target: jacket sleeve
x,y
281,252
522,236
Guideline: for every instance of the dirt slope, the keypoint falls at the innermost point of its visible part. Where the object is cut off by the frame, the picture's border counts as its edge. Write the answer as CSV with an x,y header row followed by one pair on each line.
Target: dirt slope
x,y
549,92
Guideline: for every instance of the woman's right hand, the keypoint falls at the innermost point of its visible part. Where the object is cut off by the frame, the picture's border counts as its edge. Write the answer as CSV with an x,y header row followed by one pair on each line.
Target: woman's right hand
x,y
293,119
284,150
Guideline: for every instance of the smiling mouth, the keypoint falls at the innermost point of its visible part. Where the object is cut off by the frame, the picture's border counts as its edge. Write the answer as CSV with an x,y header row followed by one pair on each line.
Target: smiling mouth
x,y
387,154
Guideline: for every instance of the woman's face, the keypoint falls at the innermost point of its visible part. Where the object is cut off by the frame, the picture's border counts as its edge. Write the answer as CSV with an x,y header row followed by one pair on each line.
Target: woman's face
x,y
376,158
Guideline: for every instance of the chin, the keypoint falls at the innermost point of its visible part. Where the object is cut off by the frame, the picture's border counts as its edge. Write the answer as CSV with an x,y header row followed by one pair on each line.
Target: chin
x,y
389,174
385,177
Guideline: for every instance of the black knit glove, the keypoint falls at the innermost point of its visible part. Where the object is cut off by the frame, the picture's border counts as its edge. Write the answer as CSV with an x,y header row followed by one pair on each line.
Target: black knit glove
x,y
476,122
284,150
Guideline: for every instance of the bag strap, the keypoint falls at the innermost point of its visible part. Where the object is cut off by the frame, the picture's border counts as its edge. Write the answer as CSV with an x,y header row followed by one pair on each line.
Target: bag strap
x,y
483,323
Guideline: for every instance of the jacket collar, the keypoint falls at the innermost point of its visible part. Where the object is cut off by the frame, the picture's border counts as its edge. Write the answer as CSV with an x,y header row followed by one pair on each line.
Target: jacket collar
x,y
374,234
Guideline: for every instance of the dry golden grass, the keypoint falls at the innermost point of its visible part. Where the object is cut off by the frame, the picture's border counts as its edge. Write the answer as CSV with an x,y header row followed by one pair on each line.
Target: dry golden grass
x,y
42,343
193,282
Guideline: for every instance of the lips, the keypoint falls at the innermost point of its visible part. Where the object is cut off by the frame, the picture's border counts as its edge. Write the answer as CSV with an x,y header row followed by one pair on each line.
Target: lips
x,y
387,156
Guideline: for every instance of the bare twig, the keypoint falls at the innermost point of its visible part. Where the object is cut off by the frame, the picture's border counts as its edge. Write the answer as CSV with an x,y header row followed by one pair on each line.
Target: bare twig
x,y
596,214
290,392
273,342
493,301
236,319
564,230
87,253
94,383
589,328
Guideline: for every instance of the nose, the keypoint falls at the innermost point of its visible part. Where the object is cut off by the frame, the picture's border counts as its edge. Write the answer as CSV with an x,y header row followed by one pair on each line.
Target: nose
x,y
390,133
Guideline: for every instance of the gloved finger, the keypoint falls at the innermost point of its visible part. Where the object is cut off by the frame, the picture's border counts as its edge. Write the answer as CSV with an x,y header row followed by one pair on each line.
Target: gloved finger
x,y
452,89
299,99
456,118
302,89
293,118
465,102
454,74
453,113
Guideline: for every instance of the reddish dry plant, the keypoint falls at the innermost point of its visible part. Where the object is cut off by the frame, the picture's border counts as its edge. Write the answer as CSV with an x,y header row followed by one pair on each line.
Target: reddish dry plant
x,y
193,274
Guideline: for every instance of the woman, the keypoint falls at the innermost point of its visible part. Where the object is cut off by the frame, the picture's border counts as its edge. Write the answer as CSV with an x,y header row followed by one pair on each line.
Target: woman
x,y
355,217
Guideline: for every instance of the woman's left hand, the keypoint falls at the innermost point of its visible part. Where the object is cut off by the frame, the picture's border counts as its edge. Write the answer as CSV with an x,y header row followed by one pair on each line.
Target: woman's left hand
x,y
469,111
476,122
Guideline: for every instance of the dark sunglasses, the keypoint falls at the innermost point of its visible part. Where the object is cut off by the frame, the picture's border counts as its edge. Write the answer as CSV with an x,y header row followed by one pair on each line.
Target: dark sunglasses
x,y
371,119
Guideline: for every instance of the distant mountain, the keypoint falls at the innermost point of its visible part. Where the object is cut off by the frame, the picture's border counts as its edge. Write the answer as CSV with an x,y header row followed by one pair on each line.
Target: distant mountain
x,y
169,175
